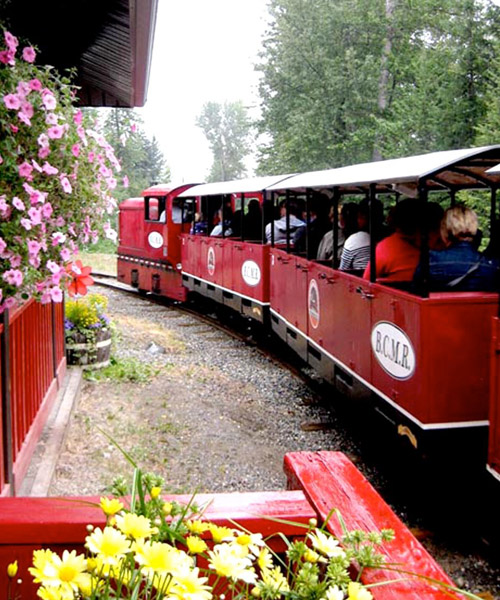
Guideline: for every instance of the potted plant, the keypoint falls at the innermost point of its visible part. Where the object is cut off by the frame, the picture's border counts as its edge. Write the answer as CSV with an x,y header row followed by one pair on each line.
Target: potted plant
x,y
87,331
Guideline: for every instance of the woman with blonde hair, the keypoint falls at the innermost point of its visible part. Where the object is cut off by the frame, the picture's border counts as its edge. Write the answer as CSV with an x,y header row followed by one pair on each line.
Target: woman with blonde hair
x,y
460,267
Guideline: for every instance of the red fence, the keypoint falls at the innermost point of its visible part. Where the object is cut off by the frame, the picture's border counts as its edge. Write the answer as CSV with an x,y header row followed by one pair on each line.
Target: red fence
x,y
32,362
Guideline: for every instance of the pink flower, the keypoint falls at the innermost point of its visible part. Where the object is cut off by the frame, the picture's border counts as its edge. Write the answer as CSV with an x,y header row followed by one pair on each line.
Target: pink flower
x,y
53,267
90,157
43,152
15,261
51,119
66,185
34,247
9,303
60,222
49,169
14,128
7,57
48,99
65,254
13,277
125,182
27,108
56,132
18,203
133,128
11,41
1,160
12,101
111,181
35,214
24,118
36,166
29,54
43,140
75,150
35,85
23,89
47,210
56,294
78,117
25,170
26,223
58,238
3,245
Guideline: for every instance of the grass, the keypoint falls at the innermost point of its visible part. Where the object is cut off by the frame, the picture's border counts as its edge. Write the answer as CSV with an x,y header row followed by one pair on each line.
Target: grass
x,y
124,370
99,261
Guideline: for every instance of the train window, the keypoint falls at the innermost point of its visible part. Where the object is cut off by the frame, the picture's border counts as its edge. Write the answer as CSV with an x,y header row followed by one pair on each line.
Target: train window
x,y
155,209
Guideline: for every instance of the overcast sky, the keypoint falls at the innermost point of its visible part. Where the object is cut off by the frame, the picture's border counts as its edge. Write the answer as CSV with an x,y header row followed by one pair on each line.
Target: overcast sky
x,y
203,51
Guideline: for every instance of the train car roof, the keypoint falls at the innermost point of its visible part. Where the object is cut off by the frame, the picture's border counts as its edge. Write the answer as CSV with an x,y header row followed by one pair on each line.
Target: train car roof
x,y
448,169
236,186
165,188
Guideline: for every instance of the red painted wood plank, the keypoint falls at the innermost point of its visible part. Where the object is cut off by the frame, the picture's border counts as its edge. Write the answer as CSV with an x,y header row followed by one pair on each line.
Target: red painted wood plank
x,y
329,480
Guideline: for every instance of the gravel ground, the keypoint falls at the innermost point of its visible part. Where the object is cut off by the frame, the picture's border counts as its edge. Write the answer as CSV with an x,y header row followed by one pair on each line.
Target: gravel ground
x,y
218,415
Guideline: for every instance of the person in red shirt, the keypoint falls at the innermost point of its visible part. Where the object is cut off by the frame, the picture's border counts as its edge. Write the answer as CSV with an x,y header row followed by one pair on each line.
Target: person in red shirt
x,y
397,256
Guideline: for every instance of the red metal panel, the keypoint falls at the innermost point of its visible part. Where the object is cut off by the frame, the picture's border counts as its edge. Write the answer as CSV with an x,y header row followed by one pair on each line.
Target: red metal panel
x,y
494,431
320,306
245,258
329,480
131,227
283,294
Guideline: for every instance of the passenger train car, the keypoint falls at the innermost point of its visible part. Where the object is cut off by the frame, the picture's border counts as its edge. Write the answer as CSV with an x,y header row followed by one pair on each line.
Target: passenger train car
x,y
428,362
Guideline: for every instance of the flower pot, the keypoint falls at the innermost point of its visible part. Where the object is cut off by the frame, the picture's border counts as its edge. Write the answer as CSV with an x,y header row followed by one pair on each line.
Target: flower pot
x,y
90,351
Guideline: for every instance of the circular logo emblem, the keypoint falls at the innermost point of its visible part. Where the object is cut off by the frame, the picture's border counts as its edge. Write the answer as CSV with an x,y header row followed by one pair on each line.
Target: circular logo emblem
x,y
155,239
211,261
250,271
393,350
313,303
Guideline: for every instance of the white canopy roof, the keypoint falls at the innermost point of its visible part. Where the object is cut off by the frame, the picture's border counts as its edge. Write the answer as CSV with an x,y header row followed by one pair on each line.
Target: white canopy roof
x,y
237,186
453,168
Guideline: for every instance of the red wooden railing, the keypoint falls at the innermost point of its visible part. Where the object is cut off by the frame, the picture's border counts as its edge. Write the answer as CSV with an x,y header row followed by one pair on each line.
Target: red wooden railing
x,y
321,481
32,360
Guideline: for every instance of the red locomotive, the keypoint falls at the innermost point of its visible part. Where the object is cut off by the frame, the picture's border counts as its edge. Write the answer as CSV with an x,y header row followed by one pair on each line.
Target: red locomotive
x,y
427,361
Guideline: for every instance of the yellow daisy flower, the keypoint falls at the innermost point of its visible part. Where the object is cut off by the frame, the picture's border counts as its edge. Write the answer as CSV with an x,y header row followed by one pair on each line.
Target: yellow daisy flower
x,y
109,544
52,593
356,591
188,585
334,593
155,492
195,544
135,526
161,559
64,572
265,559
220,534
275,579
226,563
197,527
110,506
325,544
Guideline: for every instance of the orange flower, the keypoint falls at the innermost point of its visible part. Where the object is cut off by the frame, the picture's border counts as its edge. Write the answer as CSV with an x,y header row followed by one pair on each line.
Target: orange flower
x,y
79,278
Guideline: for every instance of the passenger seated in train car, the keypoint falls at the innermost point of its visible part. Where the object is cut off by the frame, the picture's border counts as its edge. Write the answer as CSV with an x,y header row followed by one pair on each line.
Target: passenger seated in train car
x,y
356,252
397,256
348,224
280,225
225,215
200,224
252,222
459,267
319,224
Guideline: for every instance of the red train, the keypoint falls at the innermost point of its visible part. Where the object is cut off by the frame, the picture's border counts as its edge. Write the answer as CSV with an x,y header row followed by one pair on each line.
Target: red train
x,y
427,362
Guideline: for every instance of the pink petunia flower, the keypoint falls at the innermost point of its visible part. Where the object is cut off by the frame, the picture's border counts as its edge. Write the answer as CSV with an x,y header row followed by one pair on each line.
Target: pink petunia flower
x,y
35,85
66,185
48,99
75,150
58,238
43,140
90,157
11,41
27,108
34,247
53,267
78,117
65,254
47,210
49,169
18,203
43,152
12,101
51,119
56,132
26,223
36,166
23,89
56,294
35,214
14,128
15,261
29,54
7,57
13,277
3,245
25,170
24,118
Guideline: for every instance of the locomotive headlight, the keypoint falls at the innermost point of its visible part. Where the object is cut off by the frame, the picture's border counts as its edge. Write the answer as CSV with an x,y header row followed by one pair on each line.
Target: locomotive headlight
x,y
178,266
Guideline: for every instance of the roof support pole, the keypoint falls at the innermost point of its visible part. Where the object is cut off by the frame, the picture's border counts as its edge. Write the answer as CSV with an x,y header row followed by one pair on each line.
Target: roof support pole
x,y
493,209
242,215
308,220
424,243
336,204
287,218
372,196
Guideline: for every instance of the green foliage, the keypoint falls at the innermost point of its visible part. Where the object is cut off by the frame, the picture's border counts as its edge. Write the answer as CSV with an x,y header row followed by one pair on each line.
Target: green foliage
x,y
123,370
88,312
227,129
346,82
